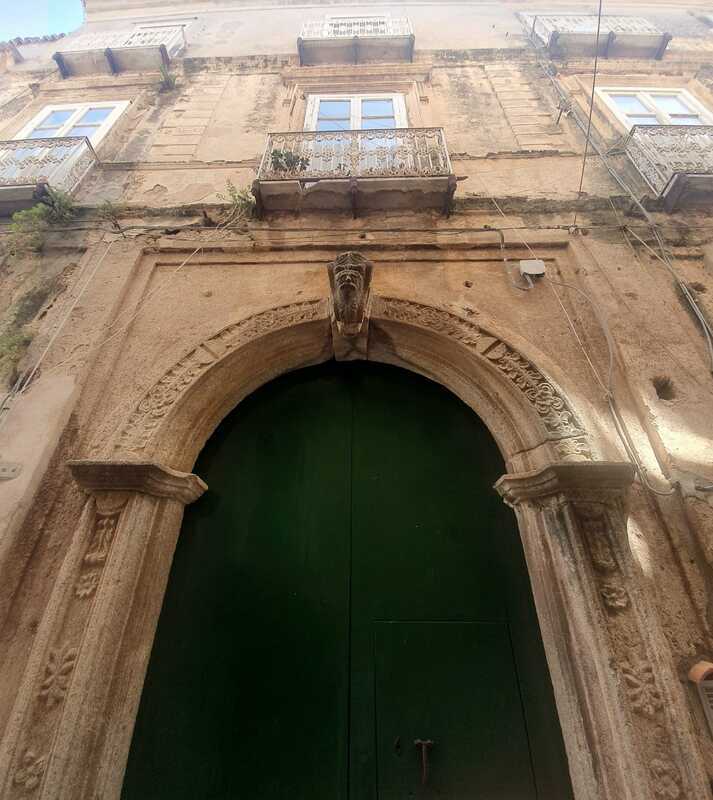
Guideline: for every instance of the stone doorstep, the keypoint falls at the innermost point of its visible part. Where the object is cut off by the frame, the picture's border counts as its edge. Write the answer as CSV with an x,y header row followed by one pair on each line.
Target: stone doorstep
x,y
174,139
191,121
174,149
196,105
166,157
178,123
184,130
517,97
539,144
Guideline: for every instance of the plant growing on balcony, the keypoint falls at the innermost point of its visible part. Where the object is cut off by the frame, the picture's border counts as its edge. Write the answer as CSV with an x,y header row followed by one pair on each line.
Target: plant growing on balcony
x,y
28,227
241,202
287,161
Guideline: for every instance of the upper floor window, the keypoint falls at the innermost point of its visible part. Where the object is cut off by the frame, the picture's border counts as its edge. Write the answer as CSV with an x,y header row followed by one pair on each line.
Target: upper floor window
x,y
655,107
92,120
339,112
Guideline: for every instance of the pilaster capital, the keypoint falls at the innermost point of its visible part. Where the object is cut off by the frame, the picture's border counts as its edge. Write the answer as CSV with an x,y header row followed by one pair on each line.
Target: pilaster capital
x,y
584,480
145,477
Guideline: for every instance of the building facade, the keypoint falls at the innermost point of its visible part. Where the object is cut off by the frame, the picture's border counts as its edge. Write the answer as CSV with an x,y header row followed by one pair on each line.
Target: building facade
x,y
510,199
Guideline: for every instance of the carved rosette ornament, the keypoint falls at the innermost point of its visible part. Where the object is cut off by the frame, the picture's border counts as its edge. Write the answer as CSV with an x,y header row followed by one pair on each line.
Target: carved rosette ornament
x,y
597,616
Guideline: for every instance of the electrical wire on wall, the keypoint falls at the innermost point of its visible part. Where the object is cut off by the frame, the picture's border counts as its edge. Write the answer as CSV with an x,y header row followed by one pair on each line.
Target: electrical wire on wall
x,y
607,385
663,254
25,380
591,107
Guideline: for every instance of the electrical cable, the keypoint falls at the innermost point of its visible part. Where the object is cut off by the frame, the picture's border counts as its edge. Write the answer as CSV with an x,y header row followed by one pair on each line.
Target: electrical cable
x,y
608,386
652,224
591,108
24,381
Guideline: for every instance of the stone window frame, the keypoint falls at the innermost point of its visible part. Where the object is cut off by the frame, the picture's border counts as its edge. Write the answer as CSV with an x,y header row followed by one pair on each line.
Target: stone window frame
x,y
118,107
643,94
313,101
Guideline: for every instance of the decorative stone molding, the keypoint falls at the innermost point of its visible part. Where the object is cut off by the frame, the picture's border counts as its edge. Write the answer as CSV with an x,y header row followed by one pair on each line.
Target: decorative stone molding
x,y
548,403
598,621
152,409
552,408
606,476
350,282
136,476
132,515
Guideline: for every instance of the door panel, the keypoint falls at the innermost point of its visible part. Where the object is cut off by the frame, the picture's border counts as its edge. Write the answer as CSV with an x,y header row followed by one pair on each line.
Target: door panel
x,y
452,683
427,534
246,693
349,577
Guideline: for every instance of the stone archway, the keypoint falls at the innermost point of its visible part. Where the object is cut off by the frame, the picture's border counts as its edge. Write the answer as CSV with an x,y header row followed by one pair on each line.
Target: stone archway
x,y
622,719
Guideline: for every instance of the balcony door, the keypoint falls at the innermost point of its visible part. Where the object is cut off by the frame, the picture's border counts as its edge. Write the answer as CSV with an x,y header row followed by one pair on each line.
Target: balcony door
x,y
348,614
355,112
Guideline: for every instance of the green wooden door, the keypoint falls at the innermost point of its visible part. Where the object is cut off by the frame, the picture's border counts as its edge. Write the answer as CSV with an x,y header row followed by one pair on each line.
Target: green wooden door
x,y
349,584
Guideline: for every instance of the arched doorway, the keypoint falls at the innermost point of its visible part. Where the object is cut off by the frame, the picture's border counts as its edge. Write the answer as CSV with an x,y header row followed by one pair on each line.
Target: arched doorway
x,y
349,585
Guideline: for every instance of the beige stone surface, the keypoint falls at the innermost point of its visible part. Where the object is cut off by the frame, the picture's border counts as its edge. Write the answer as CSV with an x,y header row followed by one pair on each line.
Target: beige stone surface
x,y
146,335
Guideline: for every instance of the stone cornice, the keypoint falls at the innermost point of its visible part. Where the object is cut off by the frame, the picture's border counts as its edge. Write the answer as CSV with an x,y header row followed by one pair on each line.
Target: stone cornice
x,y
564,478
145,477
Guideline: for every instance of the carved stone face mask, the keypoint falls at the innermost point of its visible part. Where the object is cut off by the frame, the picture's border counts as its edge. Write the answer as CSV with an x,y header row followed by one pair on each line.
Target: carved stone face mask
x,y
350,279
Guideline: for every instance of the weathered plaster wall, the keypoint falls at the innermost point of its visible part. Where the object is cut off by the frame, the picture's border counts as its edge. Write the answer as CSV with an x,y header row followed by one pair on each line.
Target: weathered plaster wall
x,y
144,309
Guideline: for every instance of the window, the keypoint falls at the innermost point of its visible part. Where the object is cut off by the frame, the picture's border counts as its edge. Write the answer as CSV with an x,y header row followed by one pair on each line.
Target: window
x,y
655,107
92,120
332,112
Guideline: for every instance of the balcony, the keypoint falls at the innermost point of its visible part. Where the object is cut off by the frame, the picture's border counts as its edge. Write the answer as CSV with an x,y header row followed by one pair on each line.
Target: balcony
x,y
576,35
28,166
112,52
676,161
356,40
393,168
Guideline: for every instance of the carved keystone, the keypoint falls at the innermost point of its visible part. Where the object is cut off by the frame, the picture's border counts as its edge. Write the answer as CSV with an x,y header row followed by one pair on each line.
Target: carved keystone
x,y
350,282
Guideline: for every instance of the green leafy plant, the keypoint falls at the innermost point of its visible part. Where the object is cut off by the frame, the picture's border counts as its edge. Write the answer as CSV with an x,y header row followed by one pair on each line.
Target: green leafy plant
x,y
28,227
168,80
287,161
241,201
111,212
13,346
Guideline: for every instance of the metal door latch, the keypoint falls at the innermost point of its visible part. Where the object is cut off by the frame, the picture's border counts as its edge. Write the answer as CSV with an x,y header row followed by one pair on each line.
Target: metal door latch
x,y
425,745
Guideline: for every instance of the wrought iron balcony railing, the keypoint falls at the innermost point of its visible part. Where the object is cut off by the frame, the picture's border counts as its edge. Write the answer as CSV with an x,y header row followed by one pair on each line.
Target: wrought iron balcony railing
x,y
669,156
577,32
61,163
141,48
348,27
387,153
340,40
332,170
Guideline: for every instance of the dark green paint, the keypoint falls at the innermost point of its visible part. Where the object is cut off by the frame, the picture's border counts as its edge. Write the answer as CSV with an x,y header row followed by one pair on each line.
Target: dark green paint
x,y
349,578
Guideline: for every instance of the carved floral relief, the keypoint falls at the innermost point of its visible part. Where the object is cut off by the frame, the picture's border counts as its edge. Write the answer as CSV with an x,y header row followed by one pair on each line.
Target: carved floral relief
x,y
615,597
29,773
553,409
666,779
160,398
58,671
641,688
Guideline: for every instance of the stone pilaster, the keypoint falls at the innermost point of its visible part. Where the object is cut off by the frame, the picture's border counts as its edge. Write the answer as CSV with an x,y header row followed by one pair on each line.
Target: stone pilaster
x,y
617,693
73,718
